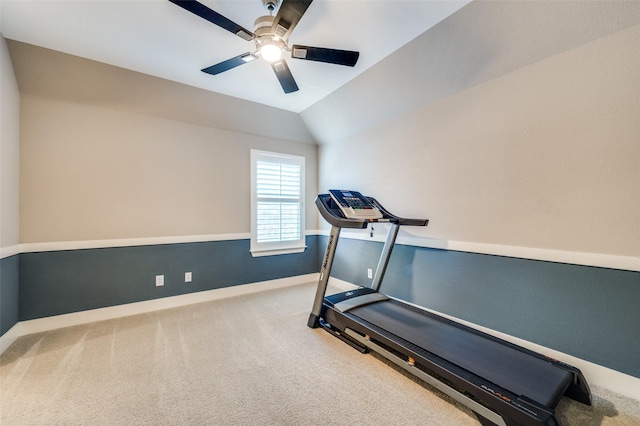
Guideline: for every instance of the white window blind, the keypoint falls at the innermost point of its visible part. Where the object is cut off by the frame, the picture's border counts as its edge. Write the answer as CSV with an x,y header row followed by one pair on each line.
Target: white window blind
x,y
277,203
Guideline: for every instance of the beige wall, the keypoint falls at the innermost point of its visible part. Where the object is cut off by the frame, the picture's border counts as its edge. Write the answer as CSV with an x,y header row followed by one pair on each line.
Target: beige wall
x,y
56,75
547,156
92,173
9,150
499,149
480,42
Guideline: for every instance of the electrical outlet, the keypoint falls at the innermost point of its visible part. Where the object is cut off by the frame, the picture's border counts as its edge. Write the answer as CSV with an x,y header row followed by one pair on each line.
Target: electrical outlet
x,y
159,280
187,277
369,273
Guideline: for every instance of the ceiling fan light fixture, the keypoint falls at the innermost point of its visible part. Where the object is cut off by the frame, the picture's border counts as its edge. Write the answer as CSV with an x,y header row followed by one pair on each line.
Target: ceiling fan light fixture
x,y
271,52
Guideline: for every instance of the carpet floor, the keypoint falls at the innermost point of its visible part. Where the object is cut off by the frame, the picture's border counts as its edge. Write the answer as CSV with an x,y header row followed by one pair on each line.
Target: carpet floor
x,y
247,360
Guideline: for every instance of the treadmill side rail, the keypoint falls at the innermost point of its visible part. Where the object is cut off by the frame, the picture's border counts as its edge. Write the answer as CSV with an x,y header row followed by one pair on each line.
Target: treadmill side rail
x,y
356,302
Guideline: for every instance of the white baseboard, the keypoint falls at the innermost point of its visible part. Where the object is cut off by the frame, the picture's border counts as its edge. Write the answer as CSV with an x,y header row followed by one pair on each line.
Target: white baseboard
x,y
39,325
595,374
9,337
341,285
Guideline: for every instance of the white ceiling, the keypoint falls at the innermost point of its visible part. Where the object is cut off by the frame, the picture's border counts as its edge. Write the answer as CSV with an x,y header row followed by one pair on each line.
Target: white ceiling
x,y
159,38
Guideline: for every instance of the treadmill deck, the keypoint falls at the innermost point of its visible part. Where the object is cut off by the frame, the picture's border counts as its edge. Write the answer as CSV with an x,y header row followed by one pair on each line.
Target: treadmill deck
x,y
497,362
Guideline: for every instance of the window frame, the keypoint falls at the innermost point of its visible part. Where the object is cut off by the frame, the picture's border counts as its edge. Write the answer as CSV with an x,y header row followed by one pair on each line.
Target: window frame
x,y
257,248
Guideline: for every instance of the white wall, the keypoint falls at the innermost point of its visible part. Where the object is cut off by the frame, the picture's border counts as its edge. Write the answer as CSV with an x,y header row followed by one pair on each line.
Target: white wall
x,y
92,173
9,153
546,157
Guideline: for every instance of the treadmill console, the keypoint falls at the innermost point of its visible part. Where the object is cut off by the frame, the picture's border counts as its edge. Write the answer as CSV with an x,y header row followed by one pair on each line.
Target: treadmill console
x,y
354,205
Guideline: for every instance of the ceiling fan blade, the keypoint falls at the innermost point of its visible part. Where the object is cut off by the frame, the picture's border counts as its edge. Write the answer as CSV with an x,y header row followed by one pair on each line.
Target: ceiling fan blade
x,y
230,63
321,54
289,14
214,17
284,76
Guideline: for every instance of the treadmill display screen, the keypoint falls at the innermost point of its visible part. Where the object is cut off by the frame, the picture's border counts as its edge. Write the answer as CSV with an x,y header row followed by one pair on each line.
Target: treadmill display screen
x,y
354,205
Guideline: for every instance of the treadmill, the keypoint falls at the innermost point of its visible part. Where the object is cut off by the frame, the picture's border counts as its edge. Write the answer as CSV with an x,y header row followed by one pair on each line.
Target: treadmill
x,y
504,384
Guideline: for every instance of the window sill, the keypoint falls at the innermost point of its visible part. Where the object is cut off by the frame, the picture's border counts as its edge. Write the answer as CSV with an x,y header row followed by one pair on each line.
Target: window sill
x,y
275,252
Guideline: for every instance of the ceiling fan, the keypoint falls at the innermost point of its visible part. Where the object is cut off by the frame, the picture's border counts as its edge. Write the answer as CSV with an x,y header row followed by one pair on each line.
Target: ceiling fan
x,y
271,38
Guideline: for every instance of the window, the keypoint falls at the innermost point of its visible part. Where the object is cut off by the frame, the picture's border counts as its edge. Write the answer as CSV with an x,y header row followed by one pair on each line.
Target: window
x,y
277,203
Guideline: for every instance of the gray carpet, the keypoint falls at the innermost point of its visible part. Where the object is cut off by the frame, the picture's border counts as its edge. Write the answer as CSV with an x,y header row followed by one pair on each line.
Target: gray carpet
x,y
248,360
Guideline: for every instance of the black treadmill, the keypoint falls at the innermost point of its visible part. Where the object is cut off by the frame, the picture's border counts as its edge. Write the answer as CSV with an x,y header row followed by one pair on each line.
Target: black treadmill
x,y
504,384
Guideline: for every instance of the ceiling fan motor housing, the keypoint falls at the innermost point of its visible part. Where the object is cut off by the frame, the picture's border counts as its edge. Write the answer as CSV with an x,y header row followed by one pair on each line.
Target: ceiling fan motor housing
x,y
264,35
262,26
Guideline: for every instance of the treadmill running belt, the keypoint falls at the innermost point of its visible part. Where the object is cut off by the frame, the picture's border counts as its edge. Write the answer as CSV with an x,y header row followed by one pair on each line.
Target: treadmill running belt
x,y
500,364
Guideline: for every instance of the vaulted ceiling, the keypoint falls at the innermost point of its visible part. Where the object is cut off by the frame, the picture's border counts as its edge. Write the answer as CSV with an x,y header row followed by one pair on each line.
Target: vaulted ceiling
x,y
158,38
145,56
